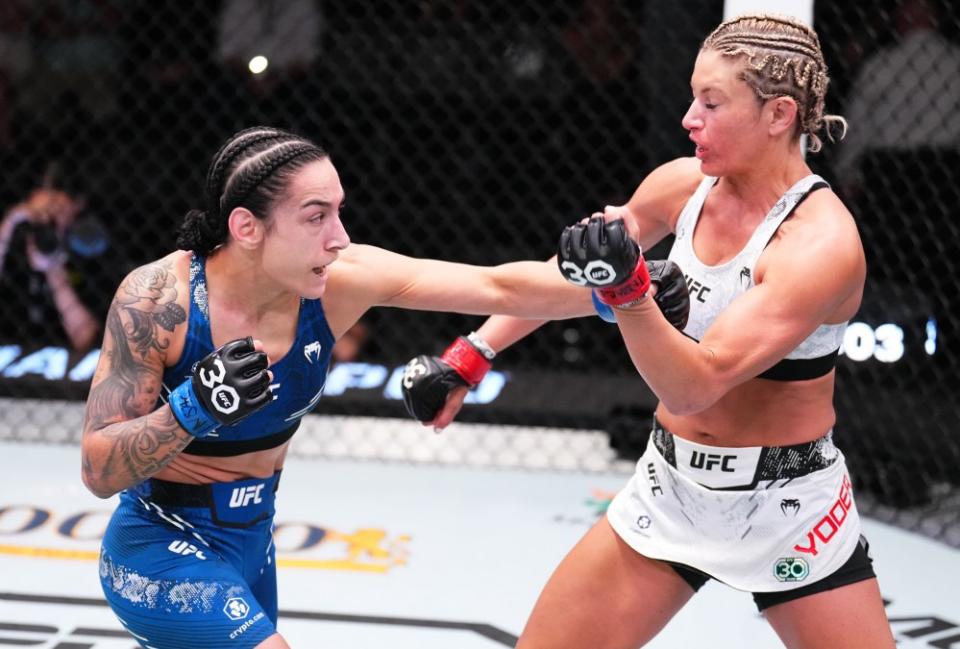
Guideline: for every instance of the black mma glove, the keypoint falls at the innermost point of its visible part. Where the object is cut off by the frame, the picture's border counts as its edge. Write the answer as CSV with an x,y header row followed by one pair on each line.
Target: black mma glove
x,y
427,380
673,296
227,385
601,255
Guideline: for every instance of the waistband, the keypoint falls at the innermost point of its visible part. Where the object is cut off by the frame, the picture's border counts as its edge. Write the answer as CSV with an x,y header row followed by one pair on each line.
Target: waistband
x,y
240,503
722,467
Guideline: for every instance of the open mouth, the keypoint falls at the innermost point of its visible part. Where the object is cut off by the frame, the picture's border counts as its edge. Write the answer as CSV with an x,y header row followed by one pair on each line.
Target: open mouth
x,y
320,270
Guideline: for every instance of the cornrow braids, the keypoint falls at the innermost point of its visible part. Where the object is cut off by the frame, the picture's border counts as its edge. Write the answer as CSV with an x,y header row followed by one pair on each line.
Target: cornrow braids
x,y
252,169
783,58
229,152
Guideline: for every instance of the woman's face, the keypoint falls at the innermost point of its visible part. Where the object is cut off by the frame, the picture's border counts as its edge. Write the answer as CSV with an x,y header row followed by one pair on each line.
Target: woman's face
x,y
304,234
724,116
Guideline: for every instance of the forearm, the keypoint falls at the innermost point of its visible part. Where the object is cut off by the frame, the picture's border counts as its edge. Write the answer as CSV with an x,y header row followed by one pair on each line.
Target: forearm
x,y
501,331
126,453
80,325
537,290
680,371
6,236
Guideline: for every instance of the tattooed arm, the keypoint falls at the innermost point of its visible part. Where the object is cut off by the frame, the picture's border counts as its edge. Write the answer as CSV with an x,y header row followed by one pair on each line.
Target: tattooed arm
x,y
126,440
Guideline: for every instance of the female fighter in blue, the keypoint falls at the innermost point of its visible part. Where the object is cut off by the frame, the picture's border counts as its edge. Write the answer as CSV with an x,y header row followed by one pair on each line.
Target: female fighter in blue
x,y
212,355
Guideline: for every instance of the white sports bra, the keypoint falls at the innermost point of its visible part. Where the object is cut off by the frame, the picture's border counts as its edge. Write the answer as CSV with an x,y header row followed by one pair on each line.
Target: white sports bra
x,y
713,288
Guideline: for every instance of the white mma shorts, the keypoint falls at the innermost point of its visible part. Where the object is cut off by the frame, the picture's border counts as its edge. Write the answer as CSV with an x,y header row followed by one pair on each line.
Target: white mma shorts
x,y
760,519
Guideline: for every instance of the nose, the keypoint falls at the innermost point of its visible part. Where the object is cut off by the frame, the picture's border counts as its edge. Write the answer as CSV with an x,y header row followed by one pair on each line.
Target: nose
x,y
339,239
692,120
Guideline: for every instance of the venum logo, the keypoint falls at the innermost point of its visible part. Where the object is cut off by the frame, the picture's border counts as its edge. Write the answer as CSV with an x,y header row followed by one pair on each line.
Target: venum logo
x,y
790,505
312,351
243,496
186,549
707,461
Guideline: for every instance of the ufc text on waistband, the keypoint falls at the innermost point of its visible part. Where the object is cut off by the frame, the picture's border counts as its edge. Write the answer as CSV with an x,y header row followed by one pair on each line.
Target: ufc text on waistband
x,y
718,467
231,504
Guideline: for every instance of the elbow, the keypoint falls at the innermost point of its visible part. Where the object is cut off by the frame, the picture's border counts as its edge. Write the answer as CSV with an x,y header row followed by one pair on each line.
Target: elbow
x,y
692,400
98,489
682,406
93,482
702,388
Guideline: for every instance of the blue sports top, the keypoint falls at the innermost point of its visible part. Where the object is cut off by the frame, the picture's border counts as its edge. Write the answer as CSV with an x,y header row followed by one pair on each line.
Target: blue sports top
x,y
298,377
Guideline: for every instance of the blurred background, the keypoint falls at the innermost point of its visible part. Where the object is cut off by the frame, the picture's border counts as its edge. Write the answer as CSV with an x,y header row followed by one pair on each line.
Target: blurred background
x,y
470,131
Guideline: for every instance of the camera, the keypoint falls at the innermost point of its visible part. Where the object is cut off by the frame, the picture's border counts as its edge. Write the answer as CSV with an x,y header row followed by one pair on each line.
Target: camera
x,y
45,237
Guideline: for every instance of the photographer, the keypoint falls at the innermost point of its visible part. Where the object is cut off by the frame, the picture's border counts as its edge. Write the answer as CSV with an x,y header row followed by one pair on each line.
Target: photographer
x,y
40,283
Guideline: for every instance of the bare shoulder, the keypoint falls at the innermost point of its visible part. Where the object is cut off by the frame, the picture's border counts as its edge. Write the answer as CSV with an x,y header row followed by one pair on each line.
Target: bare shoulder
x,y
351,271
355,283
146,327
356,254
821,231
666,189
822,223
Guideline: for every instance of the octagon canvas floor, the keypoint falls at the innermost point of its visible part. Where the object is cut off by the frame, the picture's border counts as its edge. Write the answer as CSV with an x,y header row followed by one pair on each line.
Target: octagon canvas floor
x,y
409,557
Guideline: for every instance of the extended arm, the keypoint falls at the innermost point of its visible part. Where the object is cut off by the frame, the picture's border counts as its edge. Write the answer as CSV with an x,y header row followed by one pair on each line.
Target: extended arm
x,y
367,276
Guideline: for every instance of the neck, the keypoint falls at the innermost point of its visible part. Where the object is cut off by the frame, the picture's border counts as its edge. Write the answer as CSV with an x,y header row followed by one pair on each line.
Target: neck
x,y
766,179
241,284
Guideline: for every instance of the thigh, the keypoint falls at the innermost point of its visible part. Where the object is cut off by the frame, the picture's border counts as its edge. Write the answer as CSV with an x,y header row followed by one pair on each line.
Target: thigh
x,y
171,591
264,589
604,595
848,617
273,642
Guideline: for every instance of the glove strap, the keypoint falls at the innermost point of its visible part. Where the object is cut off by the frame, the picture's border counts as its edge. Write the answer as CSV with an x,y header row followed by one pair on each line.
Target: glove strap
x,y
189,412
631,291
468,359
603,310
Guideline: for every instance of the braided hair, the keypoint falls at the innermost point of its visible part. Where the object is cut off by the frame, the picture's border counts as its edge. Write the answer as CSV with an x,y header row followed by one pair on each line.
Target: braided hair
x,y
783,58
252,170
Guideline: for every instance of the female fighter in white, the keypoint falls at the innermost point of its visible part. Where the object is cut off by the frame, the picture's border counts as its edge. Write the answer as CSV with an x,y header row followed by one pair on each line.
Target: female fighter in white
x,y
741,481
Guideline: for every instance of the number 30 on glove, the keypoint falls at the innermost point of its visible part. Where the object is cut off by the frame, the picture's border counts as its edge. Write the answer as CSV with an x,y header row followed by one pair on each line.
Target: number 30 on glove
x,y
602,256
427,380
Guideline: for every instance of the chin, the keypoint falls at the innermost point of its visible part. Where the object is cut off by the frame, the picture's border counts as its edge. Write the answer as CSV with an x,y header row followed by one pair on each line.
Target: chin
x,y
711,168
314,290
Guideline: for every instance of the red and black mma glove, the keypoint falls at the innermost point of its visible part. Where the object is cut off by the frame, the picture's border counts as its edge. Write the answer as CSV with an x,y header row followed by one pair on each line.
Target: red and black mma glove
x,y
227,385
427,380
602,256
672,296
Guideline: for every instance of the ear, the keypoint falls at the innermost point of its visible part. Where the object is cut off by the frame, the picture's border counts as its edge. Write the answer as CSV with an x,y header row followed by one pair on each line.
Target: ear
x,y
783,115
246,229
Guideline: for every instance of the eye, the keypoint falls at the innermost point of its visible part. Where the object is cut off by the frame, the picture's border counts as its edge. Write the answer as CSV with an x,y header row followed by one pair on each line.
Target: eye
x,y
317,217
709,106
